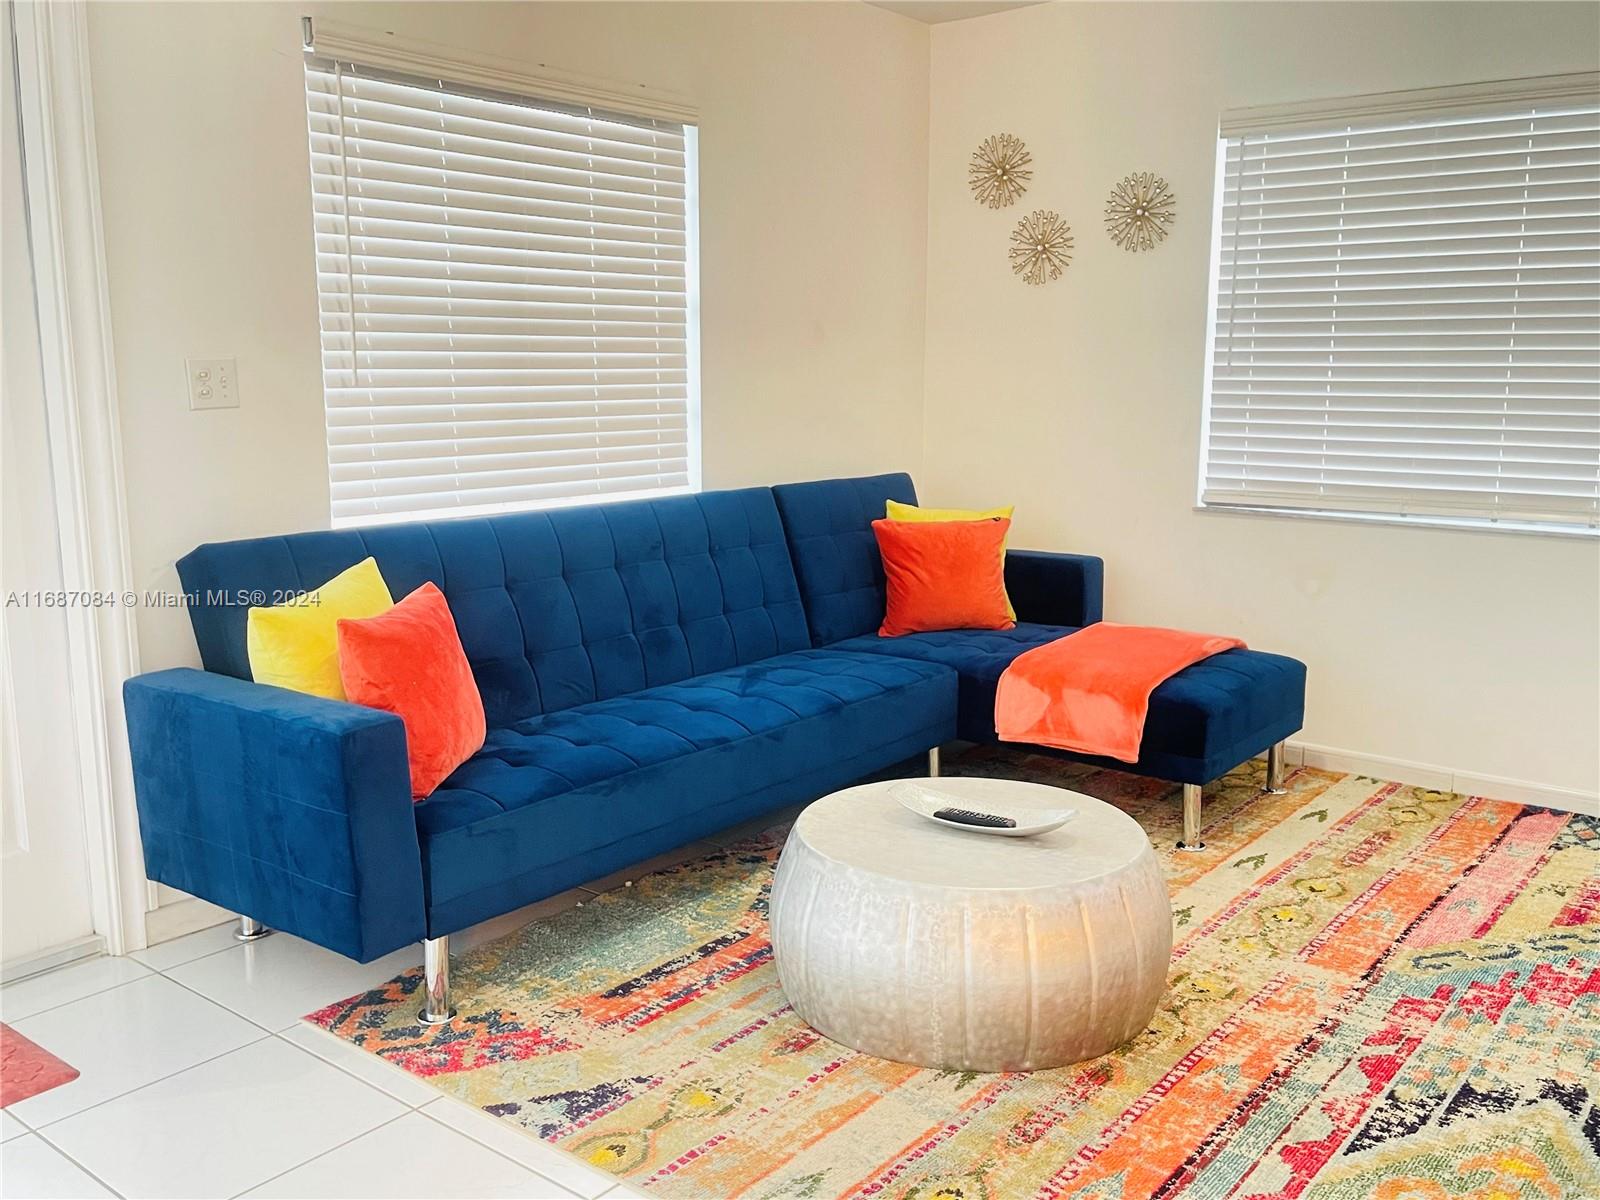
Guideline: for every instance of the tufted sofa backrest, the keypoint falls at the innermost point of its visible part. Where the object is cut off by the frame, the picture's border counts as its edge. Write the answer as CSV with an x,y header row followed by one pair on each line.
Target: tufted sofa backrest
x,y
554,608
835,553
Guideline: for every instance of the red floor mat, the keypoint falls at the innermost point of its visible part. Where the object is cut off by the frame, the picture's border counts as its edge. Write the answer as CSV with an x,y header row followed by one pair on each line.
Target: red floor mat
x,y
26,1068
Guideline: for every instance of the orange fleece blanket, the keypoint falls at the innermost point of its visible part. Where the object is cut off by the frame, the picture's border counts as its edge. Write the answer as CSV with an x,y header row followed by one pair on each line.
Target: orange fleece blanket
x,y
1090,691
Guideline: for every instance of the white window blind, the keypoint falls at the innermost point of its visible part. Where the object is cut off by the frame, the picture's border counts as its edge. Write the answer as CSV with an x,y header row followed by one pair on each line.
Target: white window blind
x,y
507,298
1407,317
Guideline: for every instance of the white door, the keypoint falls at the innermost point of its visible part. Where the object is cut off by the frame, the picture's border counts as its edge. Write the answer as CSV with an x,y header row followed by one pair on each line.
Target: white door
x,y
45,899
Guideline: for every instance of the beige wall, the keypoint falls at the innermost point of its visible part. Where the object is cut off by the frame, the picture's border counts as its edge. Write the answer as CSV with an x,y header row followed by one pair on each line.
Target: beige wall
x,y
813,176
1081,400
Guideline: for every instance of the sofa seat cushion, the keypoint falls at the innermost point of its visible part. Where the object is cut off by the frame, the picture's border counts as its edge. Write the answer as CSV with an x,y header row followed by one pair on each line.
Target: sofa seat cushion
x,y
551,789
978,656
1203,721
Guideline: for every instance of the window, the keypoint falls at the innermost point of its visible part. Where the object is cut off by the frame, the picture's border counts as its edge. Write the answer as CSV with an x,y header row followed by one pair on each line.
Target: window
x,y
508,301
1407,310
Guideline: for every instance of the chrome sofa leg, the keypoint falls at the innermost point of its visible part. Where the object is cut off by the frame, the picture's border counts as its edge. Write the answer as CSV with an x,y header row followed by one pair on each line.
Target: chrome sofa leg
x,y
933,763
436,1008
1274,785
251,930
1191,818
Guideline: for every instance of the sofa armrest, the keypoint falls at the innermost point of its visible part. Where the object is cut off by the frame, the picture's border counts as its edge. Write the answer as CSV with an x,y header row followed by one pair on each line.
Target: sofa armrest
x,y
1055,589
288,808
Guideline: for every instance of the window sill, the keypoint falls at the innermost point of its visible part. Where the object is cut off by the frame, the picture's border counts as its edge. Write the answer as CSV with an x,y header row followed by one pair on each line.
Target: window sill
x,y
1451,524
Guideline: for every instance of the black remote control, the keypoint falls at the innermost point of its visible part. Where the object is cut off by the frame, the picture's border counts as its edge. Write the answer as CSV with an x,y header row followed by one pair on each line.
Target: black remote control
x,y
965,816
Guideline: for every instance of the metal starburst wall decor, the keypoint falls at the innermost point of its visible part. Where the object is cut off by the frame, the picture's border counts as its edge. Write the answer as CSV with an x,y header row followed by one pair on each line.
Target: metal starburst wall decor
x,y
1041,247
1139,210
999,170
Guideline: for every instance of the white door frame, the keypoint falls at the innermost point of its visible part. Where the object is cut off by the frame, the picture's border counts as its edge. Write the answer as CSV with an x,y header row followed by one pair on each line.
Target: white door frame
x,y
62,182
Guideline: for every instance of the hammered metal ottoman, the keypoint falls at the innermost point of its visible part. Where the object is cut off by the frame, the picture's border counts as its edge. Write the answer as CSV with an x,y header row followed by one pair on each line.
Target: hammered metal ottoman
x,y
943,948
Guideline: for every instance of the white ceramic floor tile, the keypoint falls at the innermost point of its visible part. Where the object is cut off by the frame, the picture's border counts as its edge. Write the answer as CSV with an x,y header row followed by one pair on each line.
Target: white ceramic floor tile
x,y
280,979
410,1157
577,1177
32,1169
398,1082
125,1038
62,986
165,955
225,1125
10,1127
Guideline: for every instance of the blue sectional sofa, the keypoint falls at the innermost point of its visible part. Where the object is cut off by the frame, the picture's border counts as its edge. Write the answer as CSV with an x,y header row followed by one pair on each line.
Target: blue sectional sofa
x,y
651,672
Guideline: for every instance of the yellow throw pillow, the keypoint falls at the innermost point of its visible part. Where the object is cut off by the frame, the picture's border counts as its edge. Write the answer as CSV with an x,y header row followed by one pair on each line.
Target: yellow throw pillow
x,y
296,645
910,512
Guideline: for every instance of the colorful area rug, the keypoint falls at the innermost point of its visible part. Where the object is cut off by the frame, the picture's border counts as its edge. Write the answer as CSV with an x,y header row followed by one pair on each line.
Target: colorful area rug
x,y
1377,991
27,1068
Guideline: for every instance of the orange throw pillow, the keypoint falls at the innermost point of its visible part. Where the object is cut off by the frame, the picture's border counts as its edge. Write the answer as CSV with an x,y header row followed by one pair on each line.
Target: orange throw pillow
x,y
409,661
943,575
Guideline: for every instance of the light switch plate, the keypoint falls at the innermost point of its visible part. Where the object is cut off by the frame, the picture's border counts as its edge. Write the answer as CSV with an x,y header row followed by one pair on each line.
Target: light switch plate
x,y
213,382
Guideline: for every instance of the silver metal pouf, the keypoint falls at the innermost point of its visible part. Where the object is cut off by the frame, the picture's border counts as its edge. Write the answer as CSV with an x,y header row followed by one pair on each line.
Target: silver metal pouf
x,y
941,948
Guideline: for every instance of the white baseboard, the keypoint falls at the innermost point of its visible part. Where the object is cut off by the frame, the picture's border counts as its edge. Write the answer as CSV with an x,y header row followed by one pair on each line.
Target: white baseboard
x,y
1400,770
49,960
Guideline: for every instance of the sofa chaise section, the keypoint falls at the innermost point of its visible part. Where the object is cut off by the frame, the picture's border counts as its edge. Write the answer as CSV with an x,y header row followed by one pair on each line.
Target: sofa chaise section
x,y
1202,722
